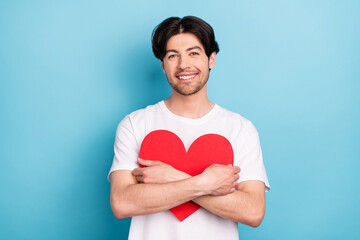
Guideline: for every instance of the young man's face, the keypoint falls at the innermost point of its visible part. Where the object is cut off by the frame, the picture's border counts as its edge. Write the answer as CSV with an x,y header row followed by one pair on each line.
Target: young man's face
x,y
186,64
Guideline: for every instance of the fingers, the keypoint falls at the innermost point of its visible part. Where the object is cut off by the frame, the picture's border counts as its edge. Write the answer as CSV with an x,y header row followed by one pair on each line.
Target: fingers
x,y
139,179
137,171
147,163
236,169
236,177
138,174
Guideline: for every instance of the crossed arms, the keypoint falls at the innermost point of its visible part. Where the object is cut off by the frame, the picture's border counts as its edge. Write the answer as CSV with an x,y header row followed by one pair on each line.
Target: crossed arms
x,y
158,187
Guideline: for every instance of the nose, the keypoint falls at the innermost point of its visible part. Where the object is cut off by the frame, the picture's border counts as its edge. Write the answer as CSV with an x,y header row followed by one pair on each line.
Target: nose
x,y
183,62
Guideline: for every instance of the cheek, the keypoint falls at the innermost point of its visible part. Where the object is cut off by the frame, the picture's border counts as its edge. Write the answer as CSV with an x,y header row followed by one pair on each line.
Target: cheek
x,y
169,67
166,69
202,63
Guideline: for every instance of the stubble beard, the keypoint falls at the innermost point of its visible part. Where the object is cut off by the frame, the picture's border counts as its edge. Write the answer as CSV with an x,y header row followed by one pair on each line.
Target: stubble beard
x,y
187,89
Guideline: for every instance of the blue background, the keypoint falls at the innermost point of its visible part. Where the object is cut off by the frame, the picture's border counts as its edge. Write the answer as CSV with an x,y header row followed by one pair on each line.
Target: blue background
x,y
71,70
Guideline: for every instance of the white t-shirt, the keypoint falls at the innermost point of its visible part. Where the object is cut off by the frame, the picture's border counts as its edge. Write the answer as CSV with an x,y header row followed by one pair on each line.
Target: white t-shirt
x,y
202,224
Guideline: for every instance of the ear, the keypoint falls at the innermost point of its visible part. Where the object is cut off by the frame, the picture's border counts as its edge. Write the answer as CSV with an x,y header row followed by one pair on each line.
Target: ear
x,y
163,67
212,60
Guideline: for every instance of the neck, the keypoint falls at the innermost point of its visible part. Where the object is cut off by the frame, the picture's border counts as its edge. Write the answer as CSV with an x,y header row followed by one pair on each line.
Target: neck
x,y
192,106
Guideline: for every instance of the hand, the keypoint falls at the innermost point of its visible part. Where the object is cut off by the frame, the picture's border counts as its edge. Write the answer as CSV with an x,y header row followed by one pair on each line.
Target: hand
x,y
220,179
157,172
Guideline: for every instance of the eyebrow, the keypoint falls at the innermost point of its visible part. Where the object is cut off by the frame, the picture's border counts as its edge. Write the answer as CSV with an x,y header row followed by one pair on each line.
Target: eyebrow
x,y
187,50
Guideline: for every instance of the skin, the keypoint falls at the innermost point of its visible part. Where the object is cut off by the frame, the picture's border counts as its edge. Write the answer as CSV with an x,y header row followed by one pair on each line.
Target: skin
x,y
186,56
158,186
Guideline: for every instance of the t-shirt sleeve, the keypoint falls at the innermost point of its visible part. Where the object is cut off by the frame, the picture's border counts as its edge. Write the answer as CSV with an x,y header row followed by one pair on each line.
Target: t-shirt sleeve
x,y
126,148
249,157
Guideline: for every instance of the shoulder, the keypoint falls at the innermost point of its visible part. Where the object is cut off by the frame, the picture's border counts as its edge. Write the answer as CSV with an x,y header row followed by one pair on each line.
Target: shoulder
x,y
137,121
235,119
141,114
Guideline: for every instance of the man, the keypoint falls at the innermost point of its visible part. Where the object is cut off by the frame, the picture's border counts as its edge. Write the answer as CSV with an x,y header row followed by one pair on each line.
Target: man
x,y
187,50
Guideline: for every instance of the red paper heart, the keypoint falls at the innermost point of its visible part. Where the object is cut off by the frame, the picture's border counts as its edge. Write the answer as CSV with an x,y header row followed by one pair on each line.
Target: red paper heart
x,y
165,146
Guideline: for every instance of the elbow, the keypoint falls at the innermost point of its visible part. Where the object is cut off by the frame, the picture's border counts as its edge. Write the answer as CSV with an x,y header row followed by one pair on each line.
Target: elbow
x,y
118,213
254,218
257,217
119,208
255,222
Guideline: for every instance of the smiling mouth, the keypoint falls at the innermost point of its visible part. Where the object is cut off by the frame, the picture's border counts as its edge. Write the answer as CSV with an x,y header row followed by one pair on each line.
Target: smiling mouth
x,y
186,77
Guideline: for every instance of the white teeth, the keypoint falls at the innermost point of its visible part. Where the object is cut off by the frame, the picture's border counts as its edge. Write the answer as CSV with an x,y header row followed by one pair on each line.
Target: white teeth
x,y
186,77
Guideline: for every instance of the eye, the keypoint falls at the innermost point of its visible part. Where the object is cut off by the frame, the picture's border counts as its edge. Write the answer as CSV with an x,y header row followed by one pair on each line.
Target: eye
x,y
171,56
194,54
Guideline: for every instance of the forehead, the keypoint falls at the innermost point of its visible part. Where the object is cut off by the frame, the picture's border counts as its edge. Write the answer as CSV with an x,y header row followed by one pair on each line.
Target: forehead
x,y
183,41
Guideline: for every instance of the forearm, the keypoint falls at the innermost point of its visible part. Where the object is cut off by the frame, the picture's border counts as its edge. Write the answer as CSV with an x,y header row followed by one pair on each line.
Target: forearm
x,y
216,180
246,205
239,206
140,199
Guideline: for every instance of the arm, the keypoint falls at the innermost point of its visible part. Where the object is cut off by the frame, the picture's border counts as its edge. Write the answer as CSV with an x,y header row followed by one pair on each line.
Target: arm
x,y
246,205
130,198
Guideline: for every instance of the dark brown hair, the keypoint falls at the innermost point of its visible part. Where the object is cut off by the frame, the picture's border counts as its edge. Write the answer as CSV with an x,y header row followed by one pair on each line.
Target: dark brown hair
x,y
189,24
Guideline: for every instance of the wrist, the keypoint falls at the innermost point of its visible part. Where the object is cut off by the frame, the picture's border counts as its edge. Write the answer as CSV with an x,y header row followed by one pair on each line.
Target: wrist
x,y
182,176
200,184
